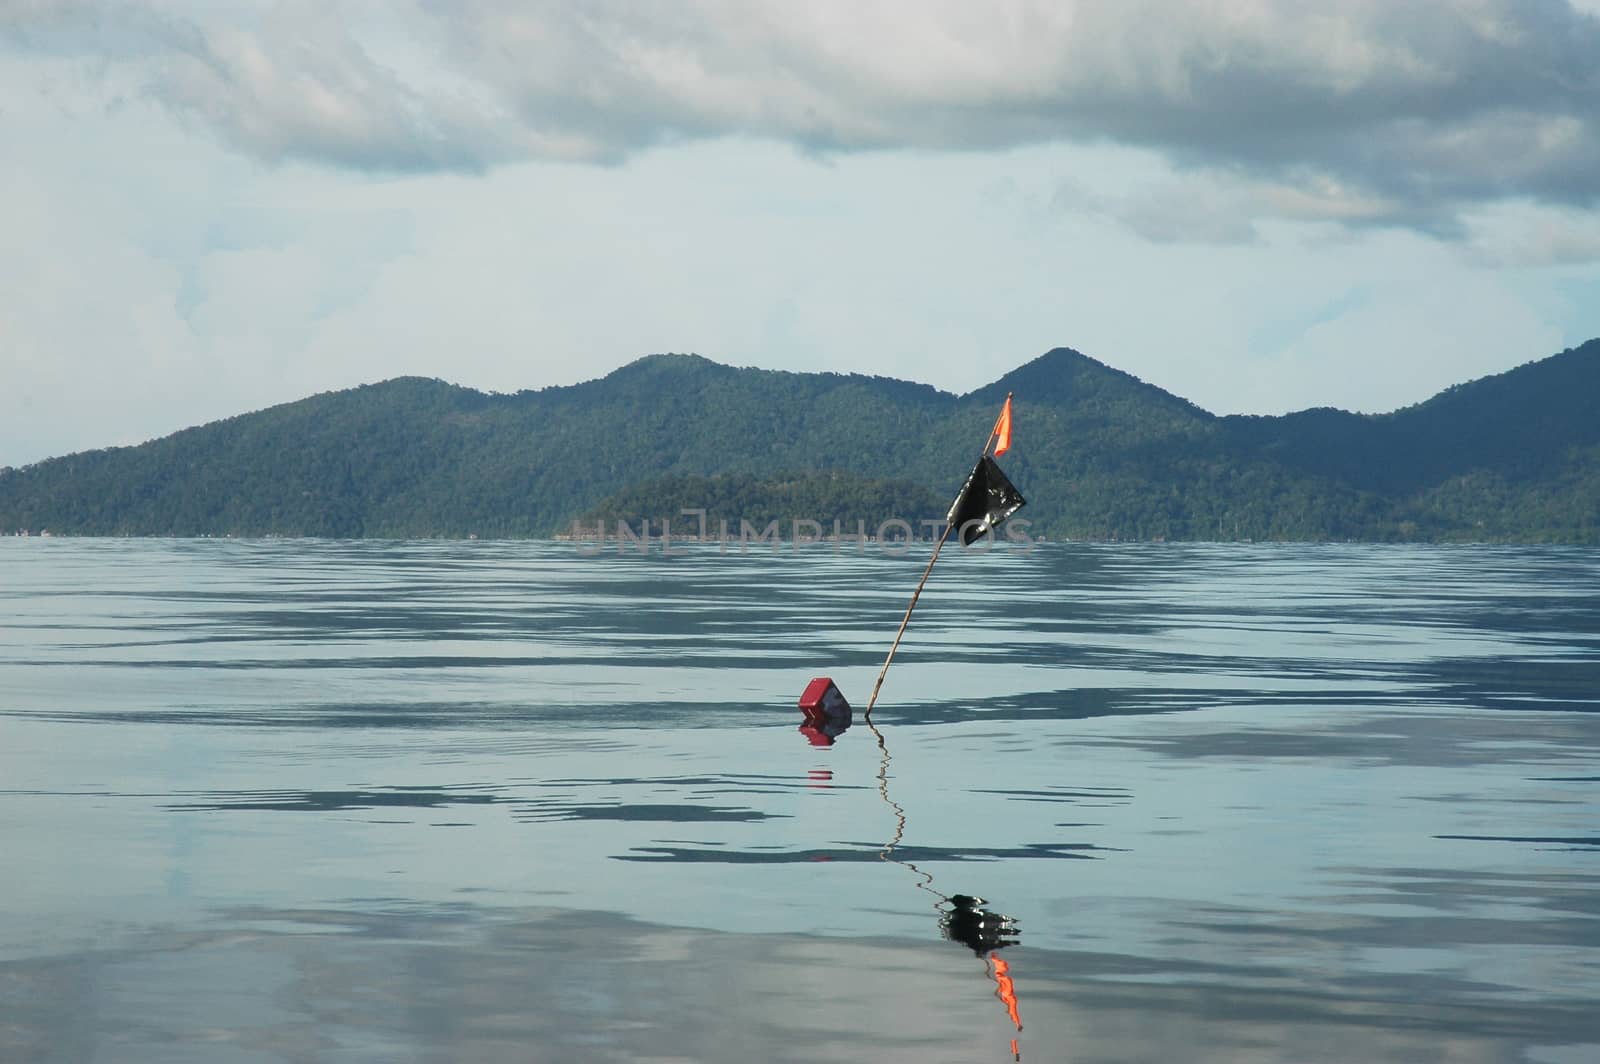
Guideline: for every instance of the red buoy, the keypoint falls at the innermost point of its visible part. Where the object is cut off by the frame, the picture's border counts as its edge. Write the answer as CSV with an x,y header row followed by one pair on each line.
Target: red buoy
x,y
822,700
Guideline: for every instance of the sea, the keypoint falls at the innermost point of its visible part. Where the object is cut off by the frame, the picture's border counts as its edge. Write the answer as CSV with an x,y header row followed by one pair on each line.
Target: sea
x,y
436,801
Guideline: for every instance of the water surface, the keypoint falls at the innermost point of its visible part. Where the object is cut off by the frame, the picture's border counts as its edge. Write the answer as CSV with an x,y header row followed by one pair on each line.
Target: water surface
x,y
312,800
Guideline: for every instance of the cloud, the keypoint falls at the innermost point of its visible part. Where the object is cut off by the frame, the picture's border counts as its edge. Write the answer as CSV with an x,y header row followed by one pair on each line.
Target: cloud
x,y
1356,112
1518,235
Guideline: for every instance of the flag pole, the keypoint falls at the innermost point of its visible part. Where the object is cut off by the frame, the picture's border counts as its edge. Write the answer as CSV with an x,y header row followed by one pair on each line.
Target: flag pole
x,y
937,547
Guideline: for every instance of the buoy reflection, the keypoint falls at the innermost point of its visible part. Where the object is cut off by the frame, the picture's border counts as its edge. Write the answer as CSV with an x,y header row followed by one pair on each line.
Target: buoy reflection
x,y
824,732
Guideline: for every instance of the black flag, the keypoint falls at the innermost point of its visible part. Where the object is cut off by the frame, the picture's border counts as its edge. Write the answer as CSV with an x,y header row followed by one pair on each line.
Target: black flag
x,y
986,500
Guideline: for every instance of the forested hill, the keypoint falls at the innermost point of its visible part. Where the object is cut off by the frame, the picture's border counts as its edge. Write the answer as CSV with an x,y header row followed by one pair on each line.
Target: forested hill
x,y
1100,454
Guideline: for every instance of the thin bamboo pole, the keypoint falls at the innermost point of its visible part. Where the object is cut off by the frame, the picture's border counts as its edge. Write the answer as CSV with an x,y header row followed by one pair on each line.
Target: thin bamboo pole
x,y
906,619
876,687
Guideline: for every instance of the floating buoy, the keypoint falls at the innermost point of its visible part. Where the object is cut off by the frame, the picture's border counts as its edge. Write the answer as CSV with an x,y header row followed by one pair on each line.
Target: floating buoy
x,y
822,700
826,711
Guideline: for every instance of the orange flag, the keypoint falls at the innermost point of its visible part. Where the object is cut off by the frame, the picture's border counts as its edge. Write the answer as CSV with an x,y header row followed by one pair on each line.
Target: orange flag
x,y
1002,430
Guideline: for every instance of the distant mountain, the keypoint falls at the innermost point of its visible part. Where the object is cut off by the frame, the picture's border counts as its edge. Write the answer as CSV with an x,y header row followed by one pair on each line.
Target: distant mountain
x,y
1099,453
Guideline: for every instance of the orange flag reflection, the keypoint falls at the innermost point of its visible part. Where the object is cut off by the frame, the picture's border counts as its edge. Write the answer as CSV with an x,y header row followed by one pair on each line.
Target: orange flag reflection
x,y
1006,991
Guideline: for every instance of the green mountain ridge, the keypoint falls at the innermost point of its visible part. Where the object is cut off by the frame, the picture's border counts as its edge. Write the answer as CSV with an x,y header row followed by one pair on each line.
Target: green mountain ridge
x,y
1099,453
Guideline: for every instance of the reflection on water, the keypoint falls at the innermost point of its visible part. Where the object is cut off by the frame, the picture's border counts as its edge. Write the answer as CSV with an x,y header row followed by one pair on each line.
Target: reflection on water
x,y
826,731
295,801
965,920
962,917
382,982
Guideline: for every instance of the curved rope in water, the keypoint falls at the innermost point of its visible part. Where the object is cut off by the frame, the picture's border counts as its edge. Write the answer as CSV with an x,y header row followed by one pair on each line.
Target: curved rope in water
x,y
886,853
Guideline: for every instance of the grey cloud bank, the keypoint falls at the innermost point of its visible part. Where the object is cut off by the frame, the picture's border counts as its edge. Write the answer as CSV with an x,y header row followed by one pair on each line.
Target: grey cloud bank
x,y
1357,113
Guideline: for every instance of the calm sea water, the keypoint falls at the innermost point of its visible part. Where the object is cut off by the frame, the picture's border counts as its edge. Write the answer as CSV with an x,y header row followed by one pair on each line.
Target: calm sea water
x,y
328,801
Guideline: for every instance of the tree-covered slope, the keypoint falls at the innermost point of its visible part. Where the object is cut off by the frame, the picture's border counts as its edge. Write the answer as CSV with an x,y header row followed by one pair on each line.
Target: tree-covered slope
x,y
1098,453
1520,423
1514,456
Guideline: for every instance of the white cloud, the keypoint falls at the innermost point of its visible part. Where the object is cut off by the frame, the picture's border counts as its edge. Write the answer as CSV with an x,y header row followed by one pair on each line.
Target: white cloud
x,y
1525,235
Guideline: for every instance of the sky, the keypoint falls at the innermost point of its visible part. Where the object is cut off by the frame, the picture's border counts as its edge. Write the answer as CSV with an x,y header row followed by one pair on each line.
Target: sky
x,y
211,207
